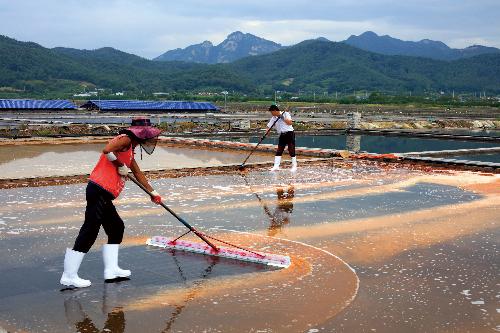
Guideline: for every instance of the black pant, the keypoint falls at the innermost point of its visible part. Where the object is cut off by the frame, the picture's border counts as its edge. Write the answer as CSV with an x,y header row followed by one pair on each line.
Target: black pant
x,y
100,211
286,139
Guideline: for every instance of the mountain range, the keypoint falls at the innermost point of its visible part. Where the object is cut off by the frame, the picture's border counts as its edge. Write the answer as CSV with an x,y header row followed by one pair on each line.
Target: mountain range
x,y
313,65
370,41
238,45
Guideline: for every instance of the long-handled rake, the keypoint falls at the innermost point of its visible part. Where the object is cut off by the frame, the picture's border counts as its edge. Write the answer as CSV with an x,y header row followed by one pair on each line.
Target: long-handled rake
x,y
235,252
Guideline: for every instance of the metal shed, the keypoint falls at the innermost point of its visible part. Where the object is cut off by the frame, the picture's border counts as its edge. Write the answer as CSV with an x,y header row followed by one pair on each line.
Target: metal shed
x,y
153,106
36,104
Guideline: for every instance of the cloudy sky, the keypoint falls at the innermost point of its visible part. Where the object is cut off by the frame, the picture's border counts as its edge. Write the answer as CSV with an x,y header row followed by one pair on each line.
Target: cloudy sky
x,y
150,27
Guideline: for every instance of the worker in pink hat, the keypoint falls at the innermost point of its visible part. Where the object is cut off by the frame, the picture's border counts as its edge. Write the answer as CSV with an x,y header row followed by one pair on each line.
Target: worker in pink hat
x,y
105,184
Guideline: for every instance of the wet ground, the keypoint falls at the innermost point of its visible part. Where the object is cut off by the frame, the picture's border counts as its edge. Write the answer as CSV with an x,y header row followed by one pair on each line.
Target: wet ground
x,y
374,247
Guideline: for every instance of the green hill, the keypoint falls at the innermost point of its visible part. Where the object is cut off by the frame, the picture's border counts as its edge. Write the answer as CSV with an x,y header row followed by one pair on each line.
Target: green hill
x,y
31,67
311,65
328,66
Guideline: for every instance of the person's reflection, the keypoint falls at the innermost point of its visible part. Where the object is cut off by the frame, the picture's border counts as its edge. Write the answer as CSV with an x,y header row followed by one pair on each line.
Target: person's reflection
x,y
115,321
284,208
353,143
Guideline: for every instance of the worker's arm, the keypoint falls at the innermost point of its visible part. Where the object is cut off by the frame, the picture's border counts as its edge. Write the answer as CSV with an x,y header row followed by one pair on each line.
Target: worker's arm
x,y
156,198
114,146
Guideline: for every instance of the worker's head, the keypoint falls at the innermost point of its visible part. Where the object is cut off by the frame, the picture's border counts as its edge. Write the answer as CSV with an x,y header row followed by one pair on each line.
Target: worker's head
x,y
141,132
275,111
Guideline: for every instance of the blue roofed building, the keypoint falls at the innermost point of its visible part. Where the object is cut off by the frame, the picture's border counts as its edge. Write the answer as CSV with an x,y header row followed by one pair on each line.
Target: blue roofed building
x,y
36,104
149,106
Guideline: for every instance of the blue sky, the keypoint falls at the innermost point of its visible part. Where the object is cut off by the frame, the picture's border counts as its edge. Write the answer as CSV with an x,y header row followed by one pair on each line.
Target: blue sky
x,y
150,27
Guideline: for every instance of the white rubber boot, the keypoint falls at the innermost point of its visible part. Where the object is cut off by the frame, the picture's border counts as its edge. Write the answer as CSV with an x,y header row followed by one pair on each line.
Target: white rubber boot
x,y
110,258
277,161
72,261
294,164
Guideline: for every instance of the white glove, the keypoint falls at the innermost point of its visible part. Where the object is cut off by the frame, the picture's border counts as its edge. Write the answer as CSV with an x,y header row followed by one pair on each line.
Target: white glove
x,y
123,170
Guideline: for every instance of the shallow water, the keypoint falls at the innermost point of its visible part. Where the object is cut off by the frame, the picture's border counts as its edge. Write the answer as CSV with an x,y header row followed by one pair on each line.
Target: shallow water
x,y
495,158
388,144
385,144
424,247
70,159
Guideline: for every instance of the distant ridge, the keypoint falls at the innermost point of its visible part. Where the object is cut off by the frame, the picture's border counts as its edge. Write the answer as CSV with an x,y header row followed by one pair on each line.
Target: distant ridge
x,y
370,41
313,65
237,45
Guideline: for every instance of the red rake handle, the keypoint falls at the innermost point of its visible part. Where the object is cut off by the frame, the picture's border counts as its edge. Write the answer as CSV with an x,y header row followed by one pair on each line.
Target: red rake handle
x,y
196,232
236,246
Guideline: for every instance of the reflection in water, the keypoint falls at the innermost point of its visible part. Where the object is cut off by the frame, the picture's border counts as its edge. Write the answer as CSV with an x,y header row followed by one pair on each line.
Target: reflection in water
x,y
191,292
284,208
75,315
111,307
353,143
110,296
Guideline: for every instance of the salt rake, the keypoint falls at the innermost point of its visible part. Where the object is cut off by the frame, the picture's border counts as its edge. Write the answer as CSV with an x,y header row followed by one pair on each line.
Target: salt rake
x,y
236,252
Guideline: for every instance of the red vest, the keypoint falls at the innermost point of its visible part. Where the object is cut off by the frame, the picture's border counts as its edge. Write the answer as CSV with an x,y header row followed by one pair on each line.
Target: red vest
x,y
105,173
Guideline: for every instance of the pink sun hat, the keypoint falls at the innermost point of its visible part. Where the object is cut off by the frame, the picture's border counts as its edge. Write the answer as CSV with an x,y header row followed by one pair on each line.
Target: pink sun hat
x,y
141,128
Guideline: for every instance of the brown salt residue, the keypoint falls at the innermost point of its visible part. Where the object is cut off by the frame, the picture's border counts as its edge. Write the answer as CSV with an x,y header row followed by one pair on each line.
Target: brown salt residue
x,y
264,301
378,238
462,179
484,188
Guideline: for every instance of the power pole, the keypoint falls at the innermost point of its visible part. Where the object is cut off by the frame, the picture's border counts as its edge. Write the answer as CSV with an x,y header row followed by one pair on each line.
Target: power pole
x,y
225,99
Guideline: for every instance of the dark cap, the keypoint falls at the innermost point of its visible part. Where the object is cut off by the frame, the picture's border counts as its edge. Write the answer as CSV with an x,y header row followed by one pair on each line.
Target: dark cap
x,y
274,107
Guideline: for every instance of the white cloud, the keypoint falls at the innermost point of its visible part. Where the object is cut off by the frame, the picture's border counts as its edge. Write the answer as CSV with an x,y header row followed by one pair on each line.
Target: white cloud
x,y
151,27
289,32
